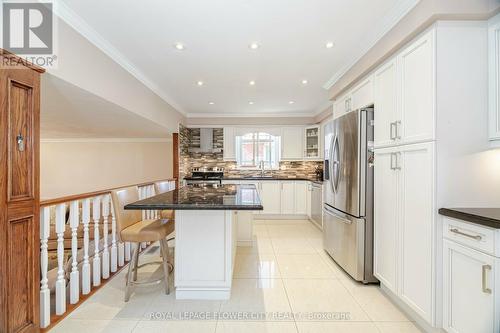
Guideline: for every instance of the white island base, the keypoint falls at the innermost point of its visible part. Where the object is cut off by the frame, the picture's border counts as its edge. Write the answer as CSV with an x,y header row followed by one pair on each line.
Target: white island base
x,y
205,248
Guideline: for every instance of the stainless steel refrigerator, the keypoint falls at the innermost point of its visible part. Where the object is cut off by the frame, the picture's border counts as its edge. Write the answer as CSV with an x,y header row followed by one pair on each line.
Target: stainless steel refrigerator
x,y
348,194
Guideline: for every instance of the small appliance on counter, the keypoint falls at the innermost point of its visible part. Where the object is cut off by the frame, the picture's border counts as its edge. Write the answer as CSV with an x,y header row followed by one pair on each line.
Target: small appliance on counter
x,y
204,175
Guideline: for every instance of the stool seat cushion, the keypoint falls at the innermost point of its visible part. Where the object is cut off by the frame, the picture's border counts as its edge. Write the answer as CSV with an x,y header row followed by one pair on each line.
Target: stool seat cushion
x,y
148,231
167,214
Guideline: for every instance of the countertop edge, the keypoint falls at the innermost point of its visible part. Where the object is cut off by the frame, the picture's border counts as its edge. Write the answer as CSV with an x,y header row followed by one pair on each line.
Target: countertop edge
x,y
473,218
193,207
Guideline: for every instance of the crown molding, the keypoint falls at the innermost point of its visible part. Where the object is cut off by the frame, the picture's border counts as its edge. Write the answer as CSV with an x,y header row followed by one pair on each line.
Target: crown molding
x,y
79,25
103,140
387,23
250,115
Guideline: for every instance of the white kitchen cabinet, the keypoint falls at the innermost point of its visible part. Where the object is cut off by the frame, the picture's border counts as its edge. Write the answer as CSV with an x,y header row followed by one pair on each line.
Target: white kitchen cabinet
x,y
417,89
386,231
309,200
342,105
404,223
287,197
301,194
229,149
270,194
470,291
494,76
385,95
292,143
312,143
362,94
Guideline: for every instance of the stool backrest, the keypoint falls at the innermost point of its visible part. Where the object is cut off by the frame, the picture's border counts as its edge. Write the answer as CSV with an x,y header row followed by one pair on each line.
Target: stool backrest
x,y
125,218
162,187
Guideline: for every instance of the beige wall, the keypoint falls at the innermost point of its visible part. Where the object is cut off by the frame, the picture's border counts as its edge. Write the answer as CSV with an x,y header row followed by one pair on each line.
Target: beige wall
x,y
423,15
77,167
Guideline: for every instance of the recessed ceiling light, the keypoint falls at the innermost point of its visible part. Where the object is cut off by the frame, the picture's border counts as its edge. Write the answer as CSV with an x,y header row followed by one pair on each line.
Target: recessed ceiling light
x,y
304,82
252,83
329,45
200,83
179,46
211,103
254,46
251,103
291,102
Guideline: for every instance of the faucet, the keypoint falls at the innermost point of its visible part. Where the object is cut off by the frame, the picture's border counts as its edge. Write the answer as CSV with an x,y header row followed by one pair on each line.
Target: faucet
x,y
261,166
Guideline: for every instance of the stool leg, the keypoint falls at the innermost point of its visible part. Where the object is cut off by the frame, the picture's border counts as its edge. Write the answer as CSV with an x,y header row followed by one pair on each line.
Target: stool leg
x,y
136,254
164,252
131,266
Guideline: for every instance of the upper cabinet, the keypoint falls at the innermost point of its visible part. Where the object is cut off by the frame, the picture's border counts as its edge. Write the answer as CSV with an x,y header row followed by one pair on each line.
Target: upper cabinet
x,y
362,94
292,143
229,148
342,105
312,142
404,94
494,76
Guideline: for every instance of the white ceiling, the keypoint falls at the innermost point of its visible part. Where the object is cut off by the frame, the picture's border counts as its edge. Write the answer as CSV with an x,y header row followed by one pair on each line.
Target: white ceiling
x,y
68,111
292,33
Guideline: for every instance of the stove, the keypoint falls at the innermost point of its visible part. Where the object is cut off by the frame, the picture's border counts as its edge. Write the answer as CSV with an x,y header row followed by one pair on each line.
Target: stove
x,y
205,175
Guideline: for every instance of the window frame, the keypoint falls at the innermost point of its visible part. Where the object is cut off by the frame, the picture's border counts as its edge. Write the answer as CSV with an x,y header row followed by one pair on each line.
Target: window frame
x,y
256,140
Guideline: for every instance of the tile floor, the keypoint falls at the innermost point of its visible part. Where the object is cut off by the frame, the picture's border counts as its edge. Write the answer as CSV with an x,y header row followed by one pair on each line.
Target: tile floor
x,y
286,271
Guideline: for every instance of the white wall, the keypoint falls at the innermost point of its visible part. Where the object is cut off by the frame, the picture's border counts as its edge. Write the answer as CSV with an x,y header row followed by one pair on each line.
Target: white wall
x,y
78,167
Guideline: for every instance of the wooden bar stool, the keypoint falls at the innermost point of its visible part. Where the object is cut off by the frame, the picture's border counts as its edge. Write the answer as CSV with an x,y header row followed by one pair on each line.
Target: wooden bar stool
x,y
132,228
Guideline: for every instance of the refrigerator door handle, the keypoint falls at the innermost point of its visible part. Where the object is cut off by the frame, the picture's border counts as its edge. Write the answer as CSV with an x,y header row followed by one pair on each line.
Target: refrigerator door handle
x,y
336,164
337,215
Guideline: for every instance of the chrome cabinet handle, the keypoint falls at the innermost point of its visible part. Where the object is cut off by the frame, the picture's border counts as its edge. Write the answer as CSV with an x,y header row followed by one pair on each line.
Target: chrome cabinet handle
x,y
458,232
393,130
398,127
398,161
392,161
485,268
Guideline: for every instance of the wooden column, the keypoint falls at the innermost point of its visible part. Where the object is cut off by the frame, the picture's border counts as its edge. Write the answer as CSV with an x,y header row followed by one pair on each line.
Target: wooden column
x,y
175,159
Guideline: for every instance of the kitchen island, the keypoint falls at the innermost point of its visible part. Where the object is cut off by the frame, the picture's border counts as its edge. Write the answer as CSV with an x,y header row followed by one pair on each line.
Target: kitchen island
x,y
206,220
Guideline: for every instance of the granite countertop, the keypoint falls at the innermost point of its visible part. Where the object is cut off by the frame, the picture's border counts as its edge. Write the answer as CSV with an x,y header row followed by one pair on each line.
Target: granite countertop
x,y
317,181
489,217
207,197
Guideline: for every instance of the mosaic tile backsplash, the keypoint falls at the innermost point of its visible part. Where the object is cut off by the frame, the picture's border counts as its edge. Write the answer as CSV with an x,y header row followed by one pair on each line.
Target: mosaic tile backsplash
x,y
190,137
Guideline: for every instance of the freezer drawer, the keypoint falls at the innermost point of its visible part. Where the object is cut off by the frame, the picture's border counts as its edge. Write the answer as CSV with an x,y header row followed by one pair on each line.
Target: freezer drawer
x,y
344,241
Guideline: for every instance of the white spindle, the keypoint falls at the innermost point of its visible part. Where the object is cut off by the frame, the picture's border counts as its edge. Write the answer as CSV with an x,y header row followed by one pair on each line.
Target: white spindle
x,y
86,263
61,282
44,264
105,250
96,261
127,251
142,195
74,278
114,249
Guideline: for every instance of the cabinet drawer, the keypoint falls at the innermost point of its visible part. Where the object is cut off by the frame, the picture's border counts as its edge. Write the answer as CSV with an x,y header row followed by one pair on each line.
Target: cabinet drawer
x,y
472,235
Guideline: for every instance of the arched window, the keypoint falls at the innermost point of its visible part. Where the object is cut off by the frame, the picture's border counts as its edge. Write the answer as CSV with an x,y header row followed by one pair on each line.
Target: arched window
x,y
255,148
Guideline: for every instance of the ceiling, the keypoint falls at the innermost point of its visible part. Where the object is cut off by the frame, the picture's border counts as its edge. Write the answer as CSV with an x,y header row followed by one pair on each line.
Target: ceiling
x,y
68,111
292,35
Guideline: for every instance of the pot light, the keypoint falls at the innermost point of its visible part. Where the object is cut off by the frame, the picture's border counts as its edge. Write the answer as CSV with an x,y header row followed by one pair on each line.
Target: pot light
x,y
252,83
251,103
304,82
291,102
329,45
211,103
200,83
179,46
254,46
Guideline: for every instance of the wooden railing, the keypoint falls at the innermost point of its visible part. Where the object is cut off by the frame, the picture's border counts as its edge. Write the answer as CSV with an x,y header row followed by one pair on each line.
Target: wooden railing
x,y
83,219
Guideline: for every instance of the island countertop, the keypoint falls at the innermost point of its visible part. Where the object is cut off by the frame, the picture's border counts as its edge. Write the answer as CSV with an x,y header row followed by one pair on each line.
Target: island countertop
x,y
206,197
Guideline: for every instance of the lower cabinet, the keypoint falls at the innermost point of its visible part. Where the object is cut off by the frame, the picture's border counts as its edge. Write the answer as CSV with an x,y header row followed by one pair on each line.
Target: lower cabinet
x,y
301,195
287,197
270,193
469,290
404,224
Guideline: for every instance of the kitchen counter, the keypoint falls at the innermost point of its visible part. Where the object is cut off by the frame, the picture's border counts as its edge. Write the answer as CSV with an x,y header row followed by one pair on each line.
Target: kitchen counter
x,y
317,181
209,197
489,217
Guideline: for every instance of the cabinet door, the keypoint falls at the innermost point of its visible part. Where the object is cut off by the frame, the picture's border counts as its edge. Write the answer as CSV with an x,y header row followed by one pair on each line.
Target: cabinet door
x,y
494,73
292,143
342,105
309,200
270,193
362,94
229,144
469,290
385,255
287,197
385,91
301,195
312,142
417,90
417,178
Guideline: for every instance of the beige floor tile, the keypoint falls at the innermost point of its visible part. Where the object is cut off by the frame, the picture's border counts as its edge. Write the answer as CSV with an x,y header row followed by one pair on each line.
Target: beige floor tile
x,y
302,230
323,295
94,326
258,296
175,326
255,327
397,327
262,266
339,272
303,266
292,246
260,231
287,222
336,327
259,246
374,302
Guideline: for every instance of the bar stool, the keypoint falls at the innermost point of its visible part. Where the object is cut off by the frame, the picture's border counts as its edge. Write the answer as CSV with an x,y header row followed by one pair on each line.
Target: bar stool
x,y
132,228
